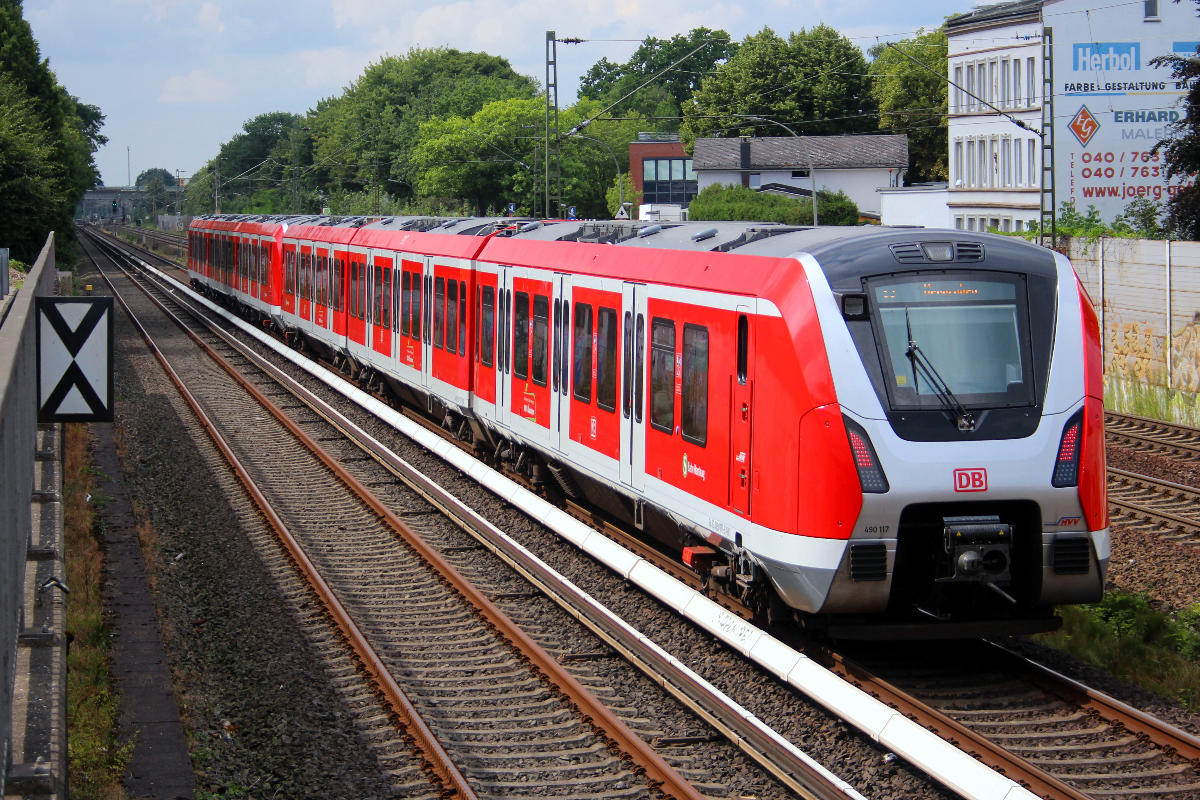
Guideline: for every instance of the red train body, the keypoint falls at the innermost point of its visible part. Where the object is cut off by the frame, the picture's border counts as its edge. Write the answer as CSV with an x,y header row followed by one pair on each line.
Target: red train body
x,y
857,424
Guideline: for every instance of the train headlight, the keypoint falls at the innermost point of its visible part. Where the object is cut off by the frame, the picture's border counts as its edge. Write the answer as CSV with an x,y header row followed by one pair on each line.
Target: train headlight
x,y
1066,464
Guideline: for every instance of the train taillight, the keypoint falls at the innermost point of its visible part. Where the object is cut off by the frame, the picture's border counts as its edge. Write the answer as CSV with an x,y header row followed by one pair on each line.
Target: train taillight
x,y
1066,464
870,472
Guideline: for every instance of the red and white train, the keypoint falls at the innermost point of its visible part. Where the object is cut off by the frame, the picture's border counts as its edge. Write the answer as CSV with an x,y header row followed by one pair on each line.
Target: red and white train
x,y
870,425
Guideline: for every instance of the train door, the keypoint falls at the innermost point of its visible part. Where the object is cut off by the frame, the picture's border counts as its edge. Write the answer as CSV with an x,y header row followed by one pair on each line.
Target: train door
x,y
381,304
356,301
287,298
321,287
560,405
304,283
741,411
503,344
633,384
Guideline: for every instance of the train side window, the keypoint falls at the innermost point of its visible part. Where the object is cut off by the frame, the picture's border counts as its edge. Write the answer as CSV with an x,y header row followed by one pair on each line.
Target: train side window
x,y
627,367
405,300
694,401
558,341
439,310
639,367
743,349
451,316
582,368
606,359
462,318
339,284
487,322
289,275
541,331
393,300
520,363
662,375
427,307
416,306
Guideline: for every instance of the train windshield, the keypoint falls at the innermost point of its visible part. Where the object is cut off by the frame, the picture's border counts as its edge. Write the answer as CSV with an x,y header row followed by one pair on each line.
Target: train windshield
x,y
971,328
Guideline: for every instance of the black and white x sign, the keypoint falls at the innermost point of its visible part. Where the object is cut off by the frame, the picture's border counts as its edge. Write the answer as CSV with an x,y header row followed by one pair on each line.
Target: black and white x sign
x,y
75,343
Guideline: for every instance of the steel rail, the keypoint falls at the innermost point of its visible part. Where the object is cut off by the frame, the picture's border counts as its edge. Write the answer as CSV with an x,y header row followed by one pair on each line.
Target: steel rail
x,y
1161,733
1187,523
1115,428
638,751
431,749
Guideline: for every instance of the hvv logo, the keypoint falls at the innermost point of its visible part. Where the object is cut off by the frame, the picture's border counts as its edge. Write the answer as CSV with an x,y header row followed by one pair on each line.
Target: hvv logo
x,y
1107,56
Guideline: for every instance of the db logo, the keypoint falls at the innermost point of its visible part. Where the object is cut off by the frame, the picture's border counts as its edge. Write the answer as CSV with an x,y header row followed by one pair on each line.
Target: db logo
x,y
970,479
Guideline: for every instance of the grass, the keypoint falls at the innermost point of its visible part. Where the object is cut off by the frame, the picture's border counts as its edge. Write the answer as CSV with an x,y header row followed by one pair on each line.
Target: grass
x,y
97,759
1127,637
1149,400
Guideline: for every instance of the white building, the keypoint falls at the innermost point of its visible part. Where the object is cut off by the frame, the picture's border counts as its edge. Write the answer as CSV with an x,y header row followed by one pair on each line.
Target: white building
x,y
794,165
1109,105
995,62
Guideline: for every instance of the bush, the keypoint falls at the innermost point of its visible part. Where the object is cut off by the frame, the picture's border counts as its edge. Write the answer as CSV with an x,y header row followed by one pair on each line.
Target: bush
x,y
721,202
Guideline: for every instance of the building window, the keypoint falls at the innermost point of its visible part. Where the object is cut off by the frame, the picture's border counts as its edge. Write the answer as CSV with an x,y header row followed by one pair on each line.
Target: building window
x,y
971,162
958,93
668,180
1031,81
1006,161
958,164
755,180
1033,179
958,223
1016,82
983,165
1019,179
799,173
1005,79
970,85
1017,226
1150,10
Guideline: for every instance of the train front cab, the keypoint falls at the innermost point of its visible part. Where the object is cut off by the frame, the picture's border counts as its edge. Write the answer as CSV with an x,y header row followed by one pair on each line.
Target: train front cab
x,y
974,416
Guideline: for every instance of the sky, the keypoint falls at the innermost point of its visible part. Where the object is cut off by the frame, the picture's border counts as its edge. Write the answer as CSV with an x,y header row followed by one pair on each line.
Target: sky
x,y
176,78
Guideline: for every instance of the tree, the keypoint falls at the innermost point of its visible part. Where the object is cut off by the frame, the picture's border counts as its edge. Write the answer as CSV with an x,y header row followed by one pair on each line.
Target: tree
x,y
70,128
365,136
31,180
815,82
912,100
665,96
164,177
1181,151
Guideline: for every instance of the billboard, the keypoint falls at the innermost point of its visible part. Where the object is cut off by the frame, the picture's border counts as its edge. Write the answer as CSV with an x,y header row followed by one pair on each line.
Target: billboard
x,y
1111,105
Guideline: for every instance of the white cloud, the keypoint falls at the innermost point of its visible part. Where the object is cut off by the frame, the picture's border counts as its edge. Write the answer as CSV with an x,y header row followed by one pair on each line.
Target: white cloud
x,y
208,19
197,86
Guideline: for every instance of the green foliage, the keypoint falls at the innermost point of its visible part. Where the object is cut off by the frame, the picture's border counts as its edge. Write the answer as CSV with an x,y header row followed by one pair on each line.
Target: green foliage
x,y
913,100
365,137
613,196
814,81
1182,148
1141,218
720,202
31,180
47,153
1127,637
608,82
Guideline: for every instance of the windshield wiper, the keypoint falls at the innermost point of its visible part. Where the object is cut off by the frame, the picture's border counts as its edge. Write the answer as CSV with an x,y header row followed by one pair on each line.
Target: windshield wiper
x,y
922,366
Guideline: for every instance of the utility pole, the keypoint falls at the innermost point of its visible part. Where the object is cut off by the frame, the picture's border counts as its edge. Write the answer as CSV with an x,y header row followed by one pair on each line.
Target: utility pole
x,y
128,172
217,186
552,113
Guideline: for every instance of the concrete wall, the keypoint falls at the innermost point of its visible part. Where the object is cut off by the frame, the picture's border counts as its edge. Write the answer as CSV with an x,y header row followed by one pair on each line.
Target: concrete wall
x,y
915,206
18,432
1147,293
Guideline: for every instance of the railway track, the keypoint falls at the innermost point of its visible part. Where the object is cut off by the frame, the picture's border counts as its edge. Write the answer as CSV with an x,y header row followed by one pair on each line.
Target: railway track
x,y
1054,756
483,702
1152,435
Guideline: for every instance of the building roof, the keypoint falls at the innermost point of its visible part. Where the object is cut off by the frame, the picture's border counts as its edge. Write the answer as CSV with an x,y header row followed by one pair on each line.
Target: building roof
x,y
798,152
994,13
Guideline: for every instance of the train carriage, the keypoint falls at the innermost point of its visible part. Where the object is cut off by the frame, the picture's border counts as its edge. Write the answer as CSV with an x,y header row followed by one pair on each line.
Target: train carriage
x,y
858,424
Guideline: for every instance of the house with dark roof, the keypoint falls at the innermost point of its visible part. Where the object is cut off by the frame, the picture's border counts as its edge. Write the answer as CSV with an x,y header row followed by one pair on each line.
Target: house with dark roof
x,y
858,165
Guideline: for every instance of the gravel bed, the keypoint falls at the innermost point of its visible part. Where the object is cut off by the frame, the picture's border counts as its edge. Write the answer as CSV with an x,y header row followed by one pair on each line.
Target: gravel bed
x,y
279,725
